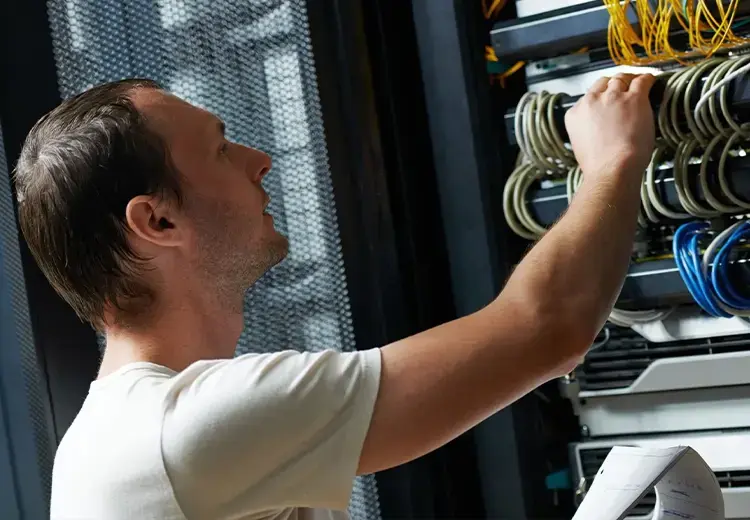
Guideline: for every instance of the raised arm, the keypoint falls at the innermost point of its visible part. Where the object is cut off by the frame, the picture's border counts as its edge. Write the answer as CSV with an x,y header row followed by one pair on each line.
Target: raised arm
x,y
438,384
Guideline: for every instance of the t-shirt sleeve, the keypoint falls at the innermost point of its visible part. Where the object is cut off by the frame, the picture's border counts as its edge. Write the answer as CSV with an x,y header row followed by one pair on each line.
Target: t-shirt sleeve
x,y
268,431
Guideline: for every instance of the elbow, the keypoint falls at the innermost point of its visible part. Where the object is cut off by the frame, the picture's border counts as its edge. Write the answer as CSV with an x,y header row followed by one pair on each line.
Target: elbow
x,y
561,323
558,332
576,340
566,336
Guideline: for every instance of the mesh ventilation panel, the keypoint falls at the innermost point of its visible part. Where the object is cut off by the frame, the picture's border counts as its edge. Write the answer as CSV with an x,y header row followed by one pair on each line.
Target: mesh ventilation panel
x,y
18,350
251,63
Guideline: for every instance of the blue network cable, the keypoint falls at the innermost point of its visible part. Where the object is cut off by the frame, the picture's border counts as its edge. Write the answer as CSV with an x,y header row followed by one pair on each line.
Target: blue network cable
x,y
722,285
689,261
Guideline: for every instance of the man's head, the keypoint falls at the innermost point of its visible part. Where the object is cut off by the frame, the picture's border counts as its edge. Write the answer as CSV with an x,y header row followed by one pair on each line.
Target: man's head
x,y
125,187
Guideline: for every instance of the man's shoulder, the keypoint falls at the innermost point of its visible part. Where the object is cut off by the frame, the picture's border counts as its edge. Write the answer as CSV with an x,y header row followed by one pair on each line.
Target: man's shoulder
x,y
112,448
120,418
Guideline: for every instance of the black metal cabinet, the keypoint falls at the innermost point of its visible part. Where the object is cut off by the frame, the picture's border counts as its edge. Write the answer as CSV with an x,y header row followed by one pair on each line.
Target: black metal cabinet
x,y
519,446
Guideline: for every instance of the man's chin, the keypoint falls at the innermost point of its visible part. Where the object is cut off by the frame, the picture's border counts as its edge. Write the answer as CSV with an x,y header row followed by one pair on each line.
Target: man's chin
x,y
278,250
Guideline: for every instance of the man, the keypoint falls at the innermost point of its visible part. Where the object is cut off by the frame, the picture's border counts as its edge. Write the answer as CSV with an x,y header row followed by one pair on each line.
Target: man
x,y
152,225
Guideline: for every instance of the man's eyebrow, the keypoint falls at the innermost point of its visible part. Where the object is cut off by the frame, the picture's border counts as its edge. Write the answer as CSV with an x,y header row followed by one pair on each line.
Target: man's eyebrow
x,y
222,126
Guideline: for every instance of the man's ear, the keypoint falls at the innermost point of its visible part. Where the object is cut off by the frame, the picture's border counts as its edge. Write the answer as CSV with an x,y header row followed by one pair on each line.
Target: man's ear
x,y
155,220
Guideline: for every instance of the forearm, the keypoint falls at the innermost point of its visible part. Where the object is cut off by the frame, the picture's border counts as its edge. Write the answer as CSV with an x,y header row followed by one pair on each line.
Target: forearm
x,y
577,269
439,383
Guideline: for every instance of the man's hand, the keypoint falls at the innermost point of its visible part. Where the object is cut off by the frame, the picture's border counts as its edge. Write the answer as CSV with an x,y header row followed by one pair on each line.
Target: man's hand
x,y
611,128
439,383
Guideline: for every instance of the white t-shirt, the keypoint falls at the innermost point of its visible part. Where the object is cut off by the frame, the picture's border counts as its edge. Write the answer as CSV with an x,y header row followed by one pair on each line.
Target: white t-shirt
x,y
260,436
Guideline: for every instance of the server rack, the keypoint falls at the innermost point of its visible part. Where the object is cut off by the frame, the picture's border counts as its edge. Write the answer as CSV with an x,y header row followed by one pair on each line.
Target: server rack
x,y
681,381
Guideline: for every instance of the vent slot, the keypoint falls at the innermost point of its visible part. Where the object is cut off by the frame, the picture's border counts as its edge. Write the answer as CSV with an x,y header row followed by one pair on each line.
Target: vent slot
x,y
626,355
593,458
733,479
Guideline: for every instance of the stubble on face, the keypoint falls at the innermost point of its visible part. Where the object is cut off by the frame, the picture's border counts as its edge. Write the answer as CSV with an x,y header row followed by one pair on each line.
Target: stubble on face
x,y
235,244
232,251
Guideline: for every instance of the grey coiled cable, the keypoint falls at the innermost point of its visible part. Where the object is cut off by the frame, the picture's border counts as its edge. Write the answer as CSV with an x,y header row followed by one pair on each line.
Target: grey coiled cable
x,y
696,140
537,134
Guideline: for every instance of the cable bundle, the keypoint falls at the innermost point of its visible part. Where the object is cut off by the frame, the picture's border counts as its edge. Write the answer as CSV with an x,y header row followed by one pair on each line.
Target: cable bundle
x,y
706,276
515,209
544,154
708,31
537,134
706,134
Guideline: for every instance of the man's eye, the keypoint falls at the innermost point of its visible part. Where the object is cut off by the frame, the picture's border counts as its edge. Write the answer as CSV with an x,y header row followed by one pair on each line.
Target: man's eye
x,y
224,148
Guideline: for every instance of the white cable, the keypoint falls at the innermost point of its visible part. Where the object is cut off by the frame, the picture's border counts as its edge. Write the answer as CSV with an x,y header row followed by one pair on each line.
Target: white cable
x,y
712,123
722,174
511,216
676,104
727,79
520,191
515,209
694,121
648,208
573,182
624,318
537,151
537,134
682,184
518,123
703,178
600,344
725,110
666,123
563,152
653,196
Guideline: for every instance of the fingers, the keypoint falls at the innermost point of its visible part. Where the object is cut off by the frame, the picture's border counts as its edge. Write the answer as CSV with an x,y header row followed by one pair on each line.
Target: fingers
x,y
620,83
624,82
599,85
642,84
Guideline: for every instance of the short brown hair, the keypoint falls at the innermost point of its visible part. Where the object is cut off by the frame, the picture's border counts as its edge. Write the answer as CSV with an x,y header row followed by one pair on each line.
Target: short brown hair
x,y
80,166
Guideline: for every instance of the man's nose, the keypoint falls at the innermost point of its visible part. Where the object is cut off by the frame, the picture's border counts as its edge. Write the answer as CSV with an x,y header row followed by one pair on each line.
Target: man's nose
x,y
259,164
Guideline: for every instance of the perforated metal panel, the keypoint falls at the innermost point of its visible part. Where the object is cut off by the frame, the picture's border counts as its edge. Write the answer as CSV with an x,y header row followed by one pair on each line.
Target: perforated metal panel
x,y
251,63
27,421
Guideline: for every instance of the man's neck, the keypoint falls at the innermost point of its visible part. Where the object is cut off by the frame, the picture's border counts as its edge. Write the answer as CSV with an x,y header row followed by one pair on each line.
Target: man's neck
x,y
178,336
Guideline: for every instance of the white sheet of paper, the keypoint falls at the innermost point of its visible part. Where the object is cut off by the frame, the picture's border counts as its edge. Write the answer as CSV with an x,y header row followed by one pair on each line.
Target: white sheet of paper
x,y
686,487
689,491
